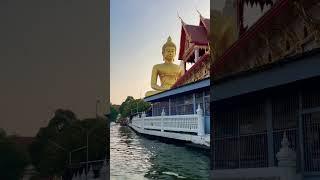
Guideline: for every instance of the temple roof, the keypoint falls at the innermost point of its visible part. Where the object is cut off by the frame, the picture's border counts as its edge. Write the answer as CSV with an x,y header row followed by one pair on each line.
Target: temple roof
x,y
196,34
228,64
206,23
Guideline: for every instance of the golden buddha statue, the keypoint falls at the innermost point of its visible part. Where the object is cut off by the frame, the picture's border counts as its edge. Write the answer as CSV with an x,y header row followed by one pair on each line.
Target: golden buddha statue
x,y
168,72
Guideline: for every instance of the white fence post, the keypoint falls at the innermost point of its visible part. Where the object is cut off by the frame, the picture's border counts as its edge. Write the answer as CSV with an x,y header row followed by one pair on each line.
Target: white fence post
x,y
200,121
287,158
162,115
143,115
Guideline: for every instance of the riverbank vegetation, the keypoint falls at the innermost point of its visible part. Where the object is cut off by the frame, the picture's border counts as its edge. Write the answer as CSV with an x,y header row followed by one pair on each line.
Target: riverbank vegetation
x,y
131,106
52,152
13,157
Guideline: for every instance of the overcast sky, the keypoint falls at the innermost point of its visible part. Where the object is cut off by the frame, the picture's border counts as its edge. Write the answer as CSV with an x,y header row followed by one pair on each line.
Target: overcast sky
x,y
138,30
52,55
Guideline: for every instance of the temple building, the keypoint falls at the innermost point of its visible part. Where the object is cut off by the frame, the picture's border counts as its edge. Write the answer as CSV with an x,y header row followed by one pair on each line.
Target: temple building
x,y
265,97
181,110
193,88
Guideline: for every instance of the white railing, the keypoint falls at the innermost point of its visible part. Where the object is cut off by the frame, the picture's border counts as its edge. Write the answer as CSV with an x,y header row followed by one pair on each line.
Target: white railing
x,y
193,123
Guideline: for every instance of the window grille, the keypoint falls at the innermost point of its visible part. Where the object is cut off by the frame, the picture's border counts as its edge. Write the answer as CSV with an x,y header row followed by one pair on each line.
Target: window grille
x,y
240,137
311,142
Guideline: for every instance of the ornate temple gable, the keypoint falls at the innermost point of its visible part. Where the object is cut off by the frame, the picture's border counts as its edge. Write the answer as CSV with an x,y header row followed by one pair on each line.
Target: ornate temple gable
x,y
240,10
199,71
194,48
191,37
204,23
289,28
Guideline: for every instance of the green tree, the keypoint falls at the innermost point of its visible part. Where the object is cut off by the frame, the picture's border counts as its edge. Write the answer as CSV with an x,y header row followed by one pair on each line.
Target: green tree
x,y
114,111
131,105
12,159
64,133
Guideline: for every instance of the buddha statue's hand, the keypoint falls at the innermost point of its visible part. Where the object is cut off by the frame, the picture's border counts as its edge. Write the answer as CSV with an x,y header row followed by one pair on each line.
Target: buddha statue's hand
x,y
160,88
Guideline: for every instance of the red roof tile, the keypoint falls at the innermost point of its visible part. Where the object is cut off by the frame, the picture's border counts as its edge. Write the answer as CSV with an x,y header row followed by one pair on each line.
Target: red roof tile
x,y
198,34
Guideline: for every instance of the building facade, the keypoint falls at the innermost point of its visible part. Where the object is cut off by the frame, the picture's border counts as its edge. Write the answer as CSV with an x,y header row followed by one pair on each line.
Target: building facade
x,y
183,112
265,101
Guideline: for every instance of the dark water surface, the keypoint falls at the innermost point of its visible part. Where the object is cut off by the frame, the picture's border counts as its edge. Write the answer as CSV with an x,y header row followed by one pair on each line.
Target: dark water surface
x,y
134,157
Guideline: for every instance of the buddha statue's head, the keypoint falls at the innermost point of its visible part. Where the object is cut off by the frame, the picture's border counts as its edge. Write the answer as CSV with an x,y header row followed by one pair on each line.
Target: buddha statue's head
x,y
169,51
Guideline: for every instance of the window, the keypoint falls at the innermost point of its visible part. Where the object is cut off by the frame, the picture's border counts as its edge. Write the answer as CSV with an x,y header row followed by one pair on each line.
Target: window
x,y
158,106
182,105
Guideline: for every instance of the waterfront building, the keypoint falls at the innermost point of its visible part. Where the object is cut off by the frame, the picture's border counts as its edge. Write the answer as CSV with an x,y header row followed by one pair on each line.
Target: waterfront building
x,y
266,100
181,105
193,88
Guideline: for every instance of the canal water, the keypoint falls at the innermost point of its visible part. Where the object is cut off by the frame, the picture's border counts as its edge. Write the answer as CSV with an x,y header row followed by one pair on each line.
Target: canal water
x,y
134,157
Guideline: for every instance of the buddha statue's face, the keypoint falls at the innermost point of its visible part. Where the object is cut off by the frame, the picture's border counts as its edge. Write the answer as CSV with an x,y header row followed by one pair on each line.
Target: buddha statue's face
x,y
169,54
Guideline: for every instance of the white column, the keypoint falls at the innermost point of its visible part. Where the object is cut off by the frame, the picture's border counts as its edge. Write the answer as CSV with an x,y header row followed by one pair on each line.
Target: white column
x,y
196,54
83,175
103,171
182,65
143,115
200,121
194,103
162,117
90,174
169,107
287,158
152,109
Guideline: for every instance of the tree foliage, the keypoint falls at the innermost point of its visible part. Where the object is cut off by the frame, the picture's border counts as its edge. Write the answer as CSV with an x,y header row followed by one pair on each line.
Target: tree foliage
x,y
131,105
114,111
64,133
12,159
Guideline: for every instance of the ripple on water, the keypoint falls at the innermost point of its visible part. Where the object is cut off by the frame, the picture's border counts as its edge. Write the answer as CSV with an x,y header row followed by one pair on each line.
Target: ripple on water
x,y
134,157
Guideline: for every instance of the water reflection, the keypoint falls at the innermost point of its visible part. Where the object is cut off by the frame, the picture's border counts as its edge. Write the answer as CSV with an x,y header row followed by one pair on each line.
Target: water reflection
x,y
134,157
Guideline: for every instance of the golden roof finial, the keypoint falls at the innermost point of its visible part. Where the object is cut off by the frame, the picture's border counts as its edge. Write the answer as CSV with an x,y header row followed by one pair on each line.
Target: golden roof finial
x,y
183,23
201,17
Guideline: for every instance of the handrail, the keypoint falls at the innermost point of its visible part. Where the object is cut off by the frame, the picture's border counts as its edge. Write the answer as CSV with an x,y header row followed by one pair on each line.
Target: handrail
x,y
193,123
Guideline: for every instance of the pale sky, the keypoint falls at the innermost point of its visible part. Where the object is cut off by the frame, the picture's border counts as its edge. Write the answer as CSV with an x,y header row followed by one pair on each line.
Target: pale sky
x,y
52,55
138,29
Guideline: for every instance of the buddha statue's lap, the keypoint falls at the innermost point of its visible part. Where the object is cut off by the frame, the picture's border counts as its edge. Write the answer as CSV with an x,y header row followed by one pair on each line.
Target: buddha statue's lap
x,y
167,71
150,93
